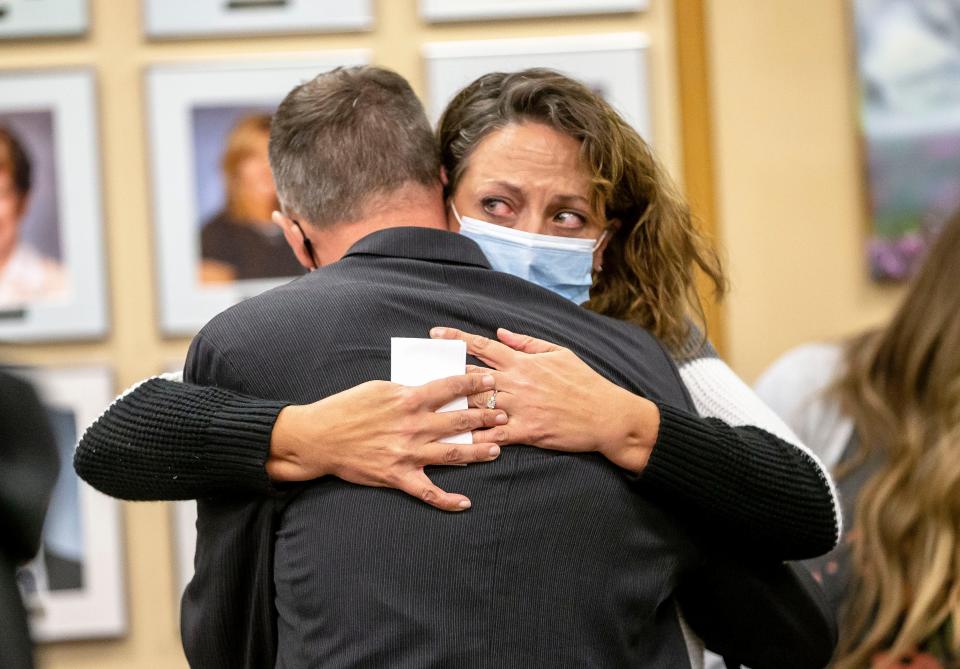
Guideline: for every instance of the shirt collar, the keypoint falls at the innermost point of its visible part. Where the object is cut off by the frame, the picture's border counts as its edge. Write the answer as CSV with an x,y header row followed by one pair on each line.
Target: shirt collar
x,y
416,243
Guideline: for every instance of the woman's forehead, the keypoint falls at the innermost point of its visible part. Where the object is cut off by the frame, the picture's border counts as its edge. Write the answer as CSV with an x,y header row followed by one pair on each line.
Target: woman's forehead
x,y
533,154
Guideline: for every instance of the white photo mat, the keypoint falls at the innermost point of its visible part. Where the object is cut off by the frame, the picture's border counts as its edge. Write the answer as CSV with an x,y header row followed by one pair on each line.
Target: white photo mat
x,y
98,608
42,18
69,96
477,10
195,18
184,518
614,64
173,91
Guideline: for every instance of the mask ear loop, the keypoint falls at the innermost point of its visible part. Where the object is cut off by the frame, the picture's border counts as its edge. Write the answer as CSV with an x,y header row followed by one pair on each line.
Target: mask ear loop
x,y
603,235
596,245
456,214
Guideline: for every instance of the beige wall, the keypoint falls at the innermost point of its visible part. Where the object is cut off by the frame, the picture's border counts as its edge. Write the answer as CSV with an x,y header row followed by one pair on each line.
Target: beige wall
x,y
788,178
134,348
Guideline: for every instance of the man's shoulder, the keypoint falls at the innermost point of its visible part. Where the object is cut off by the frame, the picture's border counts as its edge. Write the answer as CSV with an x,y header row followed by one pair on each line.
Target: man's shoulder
x,y
259,309
627,331
278,309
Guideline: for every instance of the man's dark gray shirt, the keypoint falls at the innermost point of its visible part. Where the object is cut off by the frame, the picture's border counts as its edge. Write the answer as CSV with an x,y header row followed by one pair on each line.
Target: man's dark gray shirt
x,y
559,562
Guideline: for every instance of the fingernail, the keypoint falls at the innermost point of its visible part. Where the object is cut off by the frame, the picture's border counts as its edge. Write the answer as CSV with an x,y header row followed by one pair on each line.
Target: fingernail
x,y
438,332
465,504
500,419
487,380
494,451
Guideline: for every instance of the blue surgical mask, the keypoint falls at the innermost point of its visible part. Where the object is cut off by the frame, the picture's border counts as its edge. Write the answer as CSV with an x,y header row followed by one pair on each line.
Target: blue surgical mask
x,y
563,265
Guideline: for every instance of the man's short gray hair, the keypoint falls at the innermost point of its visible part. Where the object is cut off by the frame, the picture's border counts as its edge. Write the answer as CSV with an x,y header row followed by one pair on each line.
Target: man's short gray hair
x,y
346,136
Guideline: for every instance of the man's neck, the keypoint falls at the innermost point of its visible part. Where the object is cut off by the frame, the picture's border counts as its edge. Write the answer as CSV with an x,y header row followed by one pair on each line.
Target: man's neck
x,y
417,207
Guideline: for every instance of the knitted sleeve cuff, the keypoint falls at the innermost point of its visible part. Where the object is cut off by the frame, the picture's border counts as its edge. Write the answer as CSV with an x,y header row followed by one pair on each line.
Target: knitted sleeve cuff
x,y
237,440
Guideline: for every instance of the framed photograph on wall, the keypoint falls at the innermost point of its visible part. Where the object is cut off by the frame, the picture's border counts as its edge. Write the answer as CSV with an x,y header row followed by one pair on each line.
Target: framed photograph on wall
x,y
52,273
197,18
42,18
74,588
908,58
614,65
212,187
478,10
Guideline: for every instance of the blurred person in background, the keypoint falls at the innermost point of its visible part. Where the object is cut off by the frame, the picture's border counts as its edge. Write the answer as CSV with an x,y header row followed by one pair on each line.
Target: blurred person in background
x,y
883,410
25,274
241,242
60,563
28,471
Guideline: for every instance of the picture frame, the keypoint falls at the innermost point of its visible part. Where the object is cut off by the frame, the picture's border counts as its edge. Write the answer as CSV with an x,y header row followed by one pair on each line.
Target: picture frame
x,y
614,65
203,18
909,128
20,19
438,11
74,588
197,112
53,283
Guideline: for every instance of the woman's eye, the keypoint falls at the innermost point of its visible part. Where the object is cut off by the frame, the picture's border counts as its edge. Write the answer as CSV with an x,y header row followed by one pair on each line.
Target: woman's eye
x,y
570,219
496,207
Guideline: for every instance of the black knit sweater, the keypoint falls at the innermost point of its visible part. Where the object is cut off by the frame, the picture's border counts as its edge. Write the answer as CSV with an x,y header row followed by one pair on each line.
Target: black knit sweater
x,y
742,486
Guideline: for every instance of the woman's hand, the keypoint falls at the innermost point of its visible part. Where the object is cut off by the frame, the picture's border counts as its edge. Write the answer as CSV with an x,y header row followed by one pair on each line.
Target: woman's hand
x,y
383,434
556,401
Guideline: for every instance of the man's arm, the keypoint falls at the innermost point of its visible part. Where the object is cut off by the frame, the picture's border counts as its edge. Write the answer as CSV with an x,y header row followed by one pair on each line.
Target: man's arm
x,y
227,616
763,616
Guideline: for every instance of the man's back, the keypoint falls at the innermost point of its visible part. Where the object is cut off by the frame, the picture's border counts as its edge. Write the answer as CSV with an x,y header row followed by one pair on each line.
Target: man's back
x,y
559,563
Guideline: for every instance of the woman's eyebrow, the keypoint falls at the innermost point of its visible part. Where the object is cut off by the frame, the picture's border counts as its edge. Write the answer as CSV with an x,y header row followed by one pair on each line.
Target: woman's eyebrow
x,y
571,200
512,189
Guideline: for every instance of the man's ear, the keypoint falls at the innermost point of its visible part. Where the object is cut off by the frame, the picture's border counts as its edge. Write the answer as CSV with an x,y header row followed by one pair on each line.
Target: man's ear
x,y
613,226
444,179
294,236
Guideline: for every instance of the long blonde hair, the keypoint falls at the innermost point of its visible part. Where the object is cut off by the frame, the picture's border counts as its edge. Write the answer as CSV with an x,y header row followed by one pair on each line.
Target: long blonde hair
x,y
649,265
901,387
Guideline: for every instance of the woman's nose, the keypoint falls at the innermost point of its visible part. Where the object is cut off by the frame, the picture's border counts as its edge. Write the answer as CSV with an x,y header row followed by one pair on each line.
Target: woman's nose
x,y
531,222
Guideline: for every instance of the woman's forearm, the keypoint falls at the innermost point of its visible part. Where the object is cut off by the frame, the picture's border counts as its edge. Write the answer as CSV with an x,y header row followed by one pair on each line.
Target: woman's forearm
x,y
169,441
742,485
752,488
165,440
717,392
